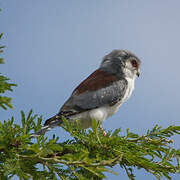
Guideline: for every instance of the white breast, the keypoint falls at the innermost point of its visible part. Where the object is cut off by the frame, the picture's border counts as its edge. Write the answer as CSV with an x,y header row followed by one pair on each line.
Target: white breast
x,y
127,95
130,88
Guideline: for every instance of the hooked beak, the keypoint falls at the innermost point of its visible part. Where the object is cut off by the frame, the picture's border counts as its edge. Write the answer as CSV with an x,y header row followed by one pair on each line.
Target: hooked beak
x,y
138,73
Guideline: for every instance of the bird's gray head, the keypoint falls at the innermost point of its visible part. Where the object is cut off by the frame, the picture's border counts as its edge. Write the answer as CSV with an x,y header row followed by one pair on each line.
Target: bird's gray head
x,y
121,63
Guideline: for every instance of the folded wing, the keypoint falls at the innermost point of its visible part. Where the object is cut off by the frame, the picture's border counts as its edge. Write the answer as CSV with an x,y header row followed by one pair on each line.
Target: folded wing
x,y
99,89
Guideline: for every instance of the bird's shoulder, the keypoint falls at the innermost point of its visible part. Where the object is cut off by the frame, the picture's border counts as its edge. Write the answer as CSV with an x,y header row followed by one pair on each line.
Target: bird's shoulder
x,y
97,80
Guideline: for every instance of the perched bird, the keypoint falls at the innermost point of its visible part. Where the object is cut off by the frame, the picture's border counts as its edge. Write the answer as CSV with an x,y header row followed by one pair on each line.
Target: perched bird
x,y
101,94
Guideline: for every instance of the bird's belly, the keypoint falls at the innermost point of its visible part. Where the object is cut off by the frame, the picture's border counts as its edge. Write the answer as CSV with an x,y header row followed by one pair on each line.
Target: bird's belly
x,y
113,109
85,118
99,114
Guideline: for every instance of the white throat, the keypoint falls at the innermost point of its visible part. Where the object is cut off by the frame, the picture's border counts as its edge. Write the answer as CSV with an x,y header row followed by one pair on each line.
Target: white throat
x,y
130,74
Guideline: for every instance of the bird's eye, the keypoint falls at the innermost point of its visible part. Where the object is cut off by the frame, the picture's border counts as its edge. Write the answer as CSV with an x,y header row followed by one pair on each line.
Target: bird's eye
x,y
134,63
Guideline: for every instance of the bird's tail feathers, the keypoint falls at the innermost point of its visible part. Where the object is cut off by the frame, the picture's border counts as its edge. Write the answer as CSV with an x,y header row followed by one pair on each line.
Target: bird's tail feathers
x,y
48,125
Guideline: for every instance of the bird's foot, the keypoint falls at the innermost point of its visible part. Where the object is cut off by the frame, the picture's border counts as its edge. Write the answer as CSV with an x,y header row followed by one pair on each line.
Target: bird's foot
x,y
103,131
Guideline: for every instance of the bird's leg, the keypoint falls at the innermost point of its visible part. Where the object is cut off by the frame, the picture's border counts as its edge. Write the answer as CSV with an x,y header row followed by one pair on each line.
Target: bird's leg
x,y
103,131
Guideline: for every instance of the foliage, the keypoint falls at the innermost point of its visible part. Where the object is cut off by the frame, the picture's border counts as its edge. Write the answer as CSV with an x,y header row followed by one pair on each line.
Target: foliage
x,y
4,85
87,155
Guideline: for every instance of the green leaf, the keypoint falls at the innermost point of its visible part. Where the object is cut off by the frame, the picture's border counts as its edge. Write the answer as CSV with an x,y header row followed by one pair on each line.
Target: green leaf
x,y
1,61
4,85
87,155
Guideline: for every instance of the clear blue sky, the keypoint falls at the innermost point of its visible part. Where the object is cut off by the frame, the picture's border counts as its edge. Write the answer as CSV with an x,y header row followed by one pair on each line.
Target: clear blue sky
x,y
51,46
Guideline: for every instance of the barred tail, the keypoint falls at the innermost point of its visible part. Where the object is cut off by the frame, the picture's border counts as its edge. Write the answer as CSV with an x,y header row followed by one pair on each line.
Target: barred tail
x,y
48,125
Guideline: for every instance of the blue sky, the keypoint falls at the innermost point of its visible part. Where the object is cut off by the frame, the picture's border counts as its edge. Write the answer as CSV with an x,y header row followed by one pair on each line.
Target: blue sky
x,y
51,46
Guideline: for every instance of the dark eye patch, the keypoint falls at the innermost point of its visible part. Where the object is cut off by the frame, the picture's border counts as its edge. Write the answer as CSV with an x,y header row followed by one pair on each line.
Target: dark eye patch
x,y
134,63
